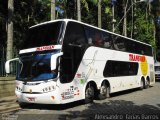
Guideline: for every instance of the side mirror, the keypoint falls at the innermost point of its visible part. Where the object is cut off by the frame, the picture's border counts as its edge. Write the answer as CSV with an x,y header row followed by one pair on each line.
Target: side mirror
x,y
54,60
7,65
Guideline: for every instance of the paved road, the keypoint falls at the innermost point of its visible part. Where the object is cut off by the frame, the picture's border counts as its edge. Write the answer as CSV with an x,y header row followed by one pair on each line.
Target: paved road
x,y
132,104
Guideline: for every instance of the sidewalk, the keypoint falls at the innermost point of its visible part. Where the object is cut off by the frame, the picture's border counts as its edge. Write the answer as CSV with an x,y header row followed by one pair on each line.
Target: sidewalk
x,y
8,103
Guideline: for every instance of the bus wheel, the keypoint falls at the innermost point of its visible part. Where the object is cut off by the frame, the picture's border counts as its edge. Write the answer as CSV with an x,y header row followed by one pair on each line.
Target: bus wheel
x,y
142,84
23,105
104,92
89,94
147,84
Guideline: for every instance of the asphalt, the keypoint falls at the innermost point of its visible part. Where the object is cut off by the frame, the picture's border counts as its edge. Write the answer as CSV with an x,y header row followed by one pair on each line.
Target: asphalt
x,y
8,104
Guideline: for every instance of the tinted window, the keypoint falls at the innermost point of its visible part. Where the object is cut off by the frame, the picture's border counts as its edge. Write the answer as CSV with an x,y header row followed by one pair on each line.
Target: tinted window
x,y
130,46
74,46
43,35
98,38
124,44
148,50
107,38
119,43
74,34
119,68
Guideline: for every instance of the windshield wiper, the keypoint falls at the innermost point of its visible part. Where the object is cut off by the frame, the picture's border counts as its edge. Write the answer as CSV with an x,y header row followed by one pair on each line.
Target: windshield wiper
x,y
27,78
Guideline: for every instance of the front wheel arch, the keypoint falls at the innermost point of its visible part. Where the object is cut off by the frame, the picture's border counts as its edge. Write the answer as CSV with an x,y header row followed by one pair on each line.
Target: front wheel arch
x,y
93,86
147,82
142,83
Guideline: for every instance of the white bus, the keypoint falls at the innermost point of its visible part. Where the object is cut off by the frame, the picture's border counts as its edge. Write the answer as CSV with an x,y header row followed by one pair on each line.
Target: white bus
x,y
66,60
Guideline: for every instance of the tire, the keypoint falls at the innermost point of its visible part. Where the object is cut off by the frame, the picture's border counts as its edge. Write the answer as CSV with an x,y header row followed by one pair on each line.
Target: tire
x,y
89,94
23,105
147,84
104,92
142,84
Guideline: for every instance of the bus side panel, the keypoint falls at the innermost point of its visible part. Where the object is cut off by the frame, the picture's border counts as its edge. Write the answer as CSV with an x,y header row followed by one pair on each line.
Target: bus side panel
x,y
92,67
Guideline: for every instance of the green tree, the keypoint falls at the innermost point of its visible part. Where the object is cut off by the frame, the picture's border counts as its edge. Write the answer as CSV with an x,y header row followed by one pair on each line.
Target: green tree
x,y
31,12
26,14
155,5
3,18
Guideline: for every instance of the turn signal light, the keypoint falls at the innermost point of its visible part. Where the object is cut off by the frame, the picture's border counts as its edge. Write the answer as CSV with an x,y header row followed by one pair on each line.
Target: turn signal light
x,y
52,97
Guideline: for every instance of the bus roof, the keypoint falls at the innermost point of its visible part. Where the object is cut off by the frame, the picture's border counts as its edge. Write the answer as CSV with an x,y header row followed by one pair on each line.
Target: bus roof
x,y
67,20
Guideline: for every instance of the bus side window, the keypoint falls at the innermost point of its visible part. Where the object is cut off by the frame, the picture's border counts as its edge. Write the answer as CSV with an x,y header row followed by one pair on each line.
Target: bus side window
x,y
98,39
119,44
107,40
89,32
90,41
79,40
74,44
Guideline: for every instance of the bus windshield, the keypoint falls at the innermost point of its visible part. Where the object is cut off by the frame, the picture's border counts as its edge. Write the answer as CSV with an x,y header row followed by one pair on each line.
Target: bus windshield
x,y
43,35
36,66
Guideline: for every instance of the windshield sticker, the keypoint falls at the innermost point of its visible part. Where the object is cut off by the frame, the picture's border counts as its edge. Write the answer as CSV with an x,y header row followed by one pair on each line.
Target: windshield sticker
x,y
83,81
70,93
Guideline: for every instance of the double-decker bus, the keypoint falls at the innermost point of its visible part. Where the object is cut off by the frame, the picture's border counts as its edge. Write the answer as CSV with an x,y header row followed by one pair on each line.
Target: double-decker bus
x,y
66,60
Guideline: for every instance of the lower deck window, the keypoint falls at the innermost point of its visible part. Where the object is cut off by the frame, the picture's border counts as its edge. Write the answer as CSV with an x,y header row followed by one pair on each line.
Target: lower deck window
x,y
120,68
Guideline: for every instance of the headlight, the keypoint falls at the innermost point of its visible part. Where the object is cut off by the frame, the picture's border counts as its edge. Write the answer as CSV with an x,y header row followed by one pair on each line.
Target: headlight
x,y
19,89
49,89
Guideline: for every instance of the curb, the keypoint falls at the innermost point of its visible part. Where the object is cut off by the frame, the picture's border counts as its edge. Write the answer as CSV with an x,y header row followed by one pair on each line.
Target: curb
x,y
8,104
9,109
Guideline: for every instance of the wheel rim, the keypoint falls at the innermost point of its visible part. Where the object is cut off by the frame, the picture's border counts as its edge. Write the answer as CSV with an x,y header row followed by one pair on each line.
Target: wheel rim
x,y
142,84
89,93
103,90
147,83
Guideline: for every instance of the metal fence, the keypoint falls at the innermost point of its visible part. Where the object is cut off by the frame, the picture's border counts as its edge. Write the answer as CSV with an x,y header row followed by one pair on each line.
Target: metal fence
x,y
2,68
13,65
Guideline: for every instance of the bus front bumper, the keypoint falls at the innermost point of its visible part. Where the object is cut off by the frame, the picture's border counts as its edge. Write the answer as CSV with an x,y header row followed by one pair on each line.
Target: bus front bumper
x,y
45,98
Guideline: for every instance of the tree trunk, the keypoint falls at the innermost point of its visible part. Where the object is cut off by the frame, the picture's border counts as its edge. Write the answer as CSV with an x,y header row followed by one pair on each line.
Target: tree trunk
x,y
79,10
113,27
99,14
9,53
132,2
53,10
125,19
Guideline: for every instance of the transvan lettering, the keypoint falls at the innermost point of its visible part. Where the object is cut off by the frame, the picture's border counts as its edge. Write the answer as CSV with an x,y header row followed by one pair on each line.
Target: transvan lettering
x,y
138,58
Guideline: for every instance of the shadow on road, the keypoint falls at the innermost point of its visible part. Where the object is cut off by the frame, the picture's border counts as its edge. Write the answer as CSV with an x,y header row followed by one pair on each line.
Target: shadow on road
x,y
109,109
54,107
113,108
73,104
157,80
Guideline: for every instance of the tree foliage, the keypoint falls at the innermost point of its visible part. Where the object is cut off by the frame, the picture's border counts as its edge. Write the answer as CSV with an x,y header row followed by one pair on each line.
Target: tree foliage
x,y
30,12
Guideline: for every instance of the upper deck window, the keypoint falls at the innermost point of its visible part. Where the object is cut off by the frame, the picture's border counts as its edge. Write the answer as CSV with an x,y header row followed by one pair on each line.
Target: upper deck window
x,y
98,38
47,34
